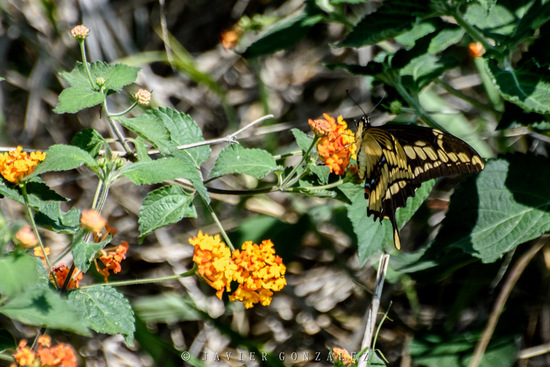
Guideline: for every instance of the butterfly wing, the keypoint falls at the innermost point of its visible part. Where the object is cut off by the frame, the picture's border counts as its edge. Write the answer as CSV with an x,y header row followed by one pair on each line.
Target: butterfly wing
x,y
394,160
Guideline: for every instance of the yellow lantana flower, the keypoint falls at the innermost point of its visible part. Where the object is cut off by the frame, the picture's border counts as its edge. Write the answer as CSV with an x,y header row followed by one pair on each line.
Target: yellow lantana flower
x,y
256,269
17,164
337,143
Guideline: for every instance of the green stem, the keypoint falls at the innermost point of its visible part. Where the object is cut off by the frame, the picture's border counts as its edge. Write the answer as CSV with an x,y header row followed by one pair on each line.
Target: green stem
x,y
464,97
35,229
85,61
416,105
295,168
472,31
144,281
125,111
218,223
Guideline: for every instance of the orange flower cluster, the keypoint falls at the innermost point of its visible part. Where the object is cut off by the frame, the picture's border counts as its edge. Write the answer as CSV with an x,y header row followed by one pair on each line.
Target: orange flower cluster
x,y
476,50
26,237
342,357
92,221
17,164
61,355
62,271
256,269
112,259
337,143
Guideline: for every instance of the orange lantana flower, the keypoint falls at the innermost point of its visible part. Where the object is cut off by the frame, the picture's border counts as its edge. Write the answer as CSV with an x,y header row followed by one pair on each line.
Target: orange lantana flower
x,y
213,259
92,221
26,237
336,144
18,164
62,271
112,259
256,269
259,272
60,355
476,50
342,357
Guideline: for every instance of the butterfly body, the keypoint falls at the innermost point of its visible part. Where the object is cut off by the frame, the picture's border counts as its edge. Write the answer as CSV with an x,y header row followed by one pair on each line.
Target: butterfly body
x,y
395,159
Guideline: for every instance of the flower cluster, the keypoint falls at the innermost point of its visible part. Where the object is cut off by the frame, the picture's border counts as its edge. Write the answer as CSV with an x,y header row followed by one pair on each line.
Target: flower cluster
x,y
92,221
342,357
336,144
17,164
112,259
255,268
143,97
60,355
61,273
80,32
26,237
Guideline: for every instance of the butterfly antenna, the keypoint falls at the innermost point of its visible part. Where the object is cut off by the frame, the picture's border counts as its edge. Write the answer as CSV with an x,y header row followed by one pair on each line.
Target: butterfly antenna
x,y
357,104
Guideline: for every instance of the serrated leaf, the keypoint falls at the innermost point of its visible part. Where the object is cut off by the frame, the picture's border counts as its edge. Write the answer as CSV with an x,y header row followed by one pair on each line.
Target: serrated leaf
x,y
164,169
166,205
236,159
84,253
392,18
115,76
283,35
38,189
167,129
83,94
528,88
20,272
89,140
506,205
53,218
322,172
374,236
72,100
302,139
105,310
499,23
44,307
446,38
63,158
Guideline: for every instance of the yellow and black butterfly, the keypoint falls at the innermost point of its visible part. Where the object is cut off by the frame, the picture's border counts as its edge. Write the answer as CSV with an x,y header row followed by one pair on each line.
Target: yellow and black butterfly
x,y
395,159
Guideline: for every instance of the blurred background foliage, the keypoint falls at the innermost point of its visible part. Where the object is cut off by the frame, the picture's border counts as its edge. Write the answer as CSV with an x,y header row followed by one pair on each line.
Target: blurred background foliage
x,y
440,303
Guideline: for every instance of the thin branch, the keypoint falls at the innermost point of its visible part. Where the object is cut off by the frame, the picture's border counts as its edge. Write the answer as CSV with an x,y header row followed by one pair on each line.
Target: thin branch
x,y
226,139
373,311
498,307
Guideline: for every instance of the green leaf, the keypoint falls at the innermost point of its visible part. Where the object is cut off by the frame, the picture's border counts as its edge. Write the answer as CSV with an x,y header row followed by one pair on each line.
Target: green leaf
x,y
72,100
419,30
373,236
499,23
528,88
53,218
157,171
167,129
166,308
508,204
446,38
303,140
82,94
40,191
20,272
236,159
105,310
89,140
283,35
392,18
44,307
433,350
84,253
63,158
166,205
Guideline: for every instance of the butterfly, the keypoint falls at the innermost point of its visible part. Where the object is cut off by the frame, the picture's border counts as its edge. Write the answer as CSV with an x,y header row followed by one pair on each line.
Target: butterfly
x,y
395,159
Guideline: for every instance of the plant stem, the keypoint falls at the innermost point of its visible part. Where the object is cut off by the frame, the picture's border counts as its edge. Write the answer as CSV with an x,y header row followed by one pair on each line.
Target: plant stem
x,y
35,229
